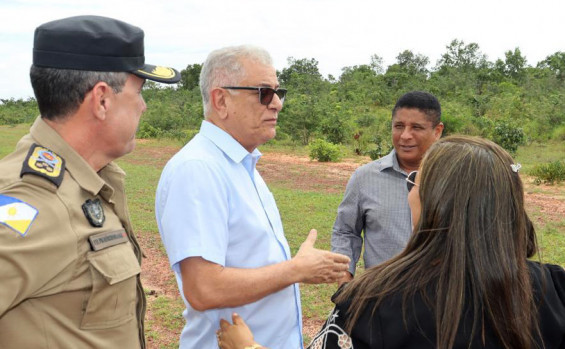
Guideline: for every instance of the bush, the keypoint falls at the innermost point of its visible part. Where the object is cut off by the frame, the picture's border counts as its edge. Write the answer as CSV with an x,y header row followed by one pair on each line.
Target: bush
x,y
549,173
453,123
183,136
13,112
382,148
335,128
360,141
558,133
281,135
324,151
146,130
508,136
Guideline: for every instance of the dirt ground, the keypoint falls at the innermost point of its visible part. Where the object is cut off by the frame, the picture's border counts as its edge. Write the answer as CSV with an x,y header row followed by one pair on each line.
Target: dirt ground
x,y
302,173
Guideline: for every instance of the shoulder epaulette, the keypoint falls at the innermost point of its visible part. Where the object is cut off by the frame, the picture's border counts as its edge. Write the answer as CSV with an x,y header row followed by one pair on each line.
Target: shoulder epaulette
x,y
45,163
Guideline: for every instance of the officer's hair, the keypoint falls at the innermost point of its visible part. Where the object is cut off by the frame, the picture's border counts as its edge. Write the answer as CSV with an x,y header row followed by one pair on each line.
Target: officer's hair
x,y
223,67
59,92
423,101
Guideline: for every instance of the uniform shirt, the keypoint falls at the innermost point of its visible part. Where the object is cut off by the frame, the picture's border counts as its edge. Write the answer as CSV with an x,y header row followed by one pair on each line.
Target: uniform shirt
x,y
387,328
376,202
57,291
211,202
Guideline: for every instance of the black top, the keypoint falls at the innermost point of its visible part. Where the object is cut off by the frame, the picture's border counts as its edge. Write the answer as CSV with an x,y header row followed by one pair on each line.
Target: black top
x,y
388,329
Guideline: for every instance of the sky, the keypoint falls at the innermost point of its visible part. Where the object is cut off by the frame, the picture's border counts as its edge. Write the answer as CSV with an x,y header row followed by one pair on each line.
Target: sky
x,y
337,33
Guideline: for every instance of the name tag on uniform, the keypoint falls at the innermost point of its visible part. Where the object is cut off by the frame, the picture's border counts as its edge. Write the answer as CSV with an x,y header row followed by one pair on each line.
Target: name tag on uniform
x,y
104,240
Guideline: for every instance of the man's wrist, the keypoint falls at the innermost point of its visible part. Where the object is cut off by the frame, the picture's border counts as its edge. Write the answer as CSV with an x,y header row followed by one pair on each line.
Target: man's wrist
x,y
295,271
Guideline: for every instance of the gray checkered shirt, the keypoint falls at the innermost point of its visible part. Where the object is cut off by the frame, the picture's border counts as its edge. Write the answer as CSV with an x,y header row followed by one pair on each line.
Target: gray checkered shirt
x,y
375,201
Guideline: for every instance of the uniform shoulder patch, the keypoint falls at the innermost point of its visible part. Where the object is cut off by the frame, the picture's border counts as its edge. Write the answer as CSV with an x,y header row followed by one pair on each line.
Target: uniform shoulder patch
x,y
16,214
45,163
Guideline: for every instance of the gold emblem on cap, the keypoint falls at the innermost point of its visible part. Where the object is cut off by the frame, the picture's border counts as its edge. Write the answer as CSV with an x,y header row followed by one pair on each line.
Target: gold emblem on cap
x,y
160,72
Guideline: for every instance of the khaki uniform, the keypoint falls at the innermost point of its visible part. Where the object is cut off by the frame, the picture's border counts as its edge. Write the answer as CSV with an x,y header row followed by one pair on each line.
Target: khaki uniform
x,y
66,283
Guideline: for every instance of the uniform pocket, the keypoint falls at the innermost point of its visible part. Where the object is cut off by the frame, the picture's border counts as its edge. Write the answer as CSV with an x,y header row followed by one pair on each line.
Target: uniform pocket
x,y
113,297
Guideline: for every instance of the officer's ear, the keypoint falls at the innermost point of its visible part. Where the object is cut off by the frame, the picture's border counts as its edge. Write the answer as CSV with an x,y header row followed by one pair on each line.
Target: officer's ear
x,y
99,99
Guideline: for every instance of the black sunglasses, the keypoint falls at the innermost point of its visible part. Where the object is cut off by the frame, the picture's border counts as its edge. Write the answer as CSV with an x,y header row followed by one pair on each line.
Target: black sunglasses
x,y
411,180
266,94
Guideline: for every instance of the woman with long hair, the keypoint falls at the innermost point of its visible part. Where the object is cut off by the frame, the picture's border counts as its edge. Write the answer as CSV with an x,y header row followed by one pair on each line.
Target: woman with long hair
x,y
464,279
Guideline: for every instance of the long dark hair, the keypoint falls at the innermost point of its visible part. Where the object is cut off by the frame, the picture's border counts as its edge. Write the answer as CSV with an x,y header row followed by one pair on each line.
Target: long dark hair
x,y
469,247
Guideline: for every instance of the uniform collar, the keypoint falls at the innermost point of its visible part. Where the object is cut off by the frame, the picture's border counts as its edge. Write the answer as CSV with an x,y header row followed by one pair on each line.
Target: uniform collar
x,y
81,171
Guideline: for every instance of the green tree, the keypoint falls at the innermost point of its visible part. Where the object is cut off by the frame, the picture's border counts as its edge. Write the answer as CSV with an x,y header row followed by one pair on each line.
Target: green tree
x,y
463,75
17,111
297,68
508,136
360,85
307,101
336,126
377,64
413,63
461,56
555,63
301,117
190,77
408,73
513,67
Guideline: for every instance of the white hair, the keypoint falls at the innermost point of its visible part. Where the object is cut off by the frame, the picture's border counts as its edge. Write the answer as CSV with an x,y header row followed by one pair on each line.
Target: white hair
x,y
223,67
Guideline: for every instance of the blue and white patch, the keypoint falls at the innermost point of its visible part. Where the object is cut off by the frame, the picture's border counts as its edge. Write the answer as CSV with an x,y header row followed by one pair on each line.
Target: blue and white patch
x,y
16,214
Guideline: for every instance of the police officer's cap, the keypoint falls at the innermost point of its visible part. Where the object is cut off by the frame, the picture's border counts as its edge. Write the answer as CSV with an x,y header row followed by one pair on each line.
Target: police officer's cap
x,y
96,43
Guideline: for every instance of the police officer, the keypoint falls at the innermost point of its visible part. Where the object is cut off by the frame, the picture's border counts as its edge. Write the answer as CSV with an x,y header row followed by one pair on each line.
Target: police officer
x,y
69,261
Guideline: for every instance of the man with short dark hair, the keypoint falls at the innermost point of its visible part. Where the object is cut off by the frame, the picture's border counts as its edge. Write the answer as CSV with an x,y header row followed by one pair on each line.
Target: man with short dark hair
x,y
220,223
374,210
69,259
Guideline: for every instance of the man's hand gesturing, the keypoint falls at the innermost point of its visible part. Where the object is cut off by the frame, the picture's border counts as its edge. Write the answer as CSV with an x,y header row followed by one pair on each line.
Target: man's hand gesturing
x,y
316,266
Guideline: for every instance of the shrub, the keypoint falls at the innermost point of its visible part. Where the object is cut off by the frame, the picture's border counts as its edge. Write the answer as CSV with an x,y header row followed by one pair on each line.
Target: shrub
x,y
281,135
324,151
183,136
335,128
359,142
453,123
508,136
382,148
146,130
13,112
549,173
558,133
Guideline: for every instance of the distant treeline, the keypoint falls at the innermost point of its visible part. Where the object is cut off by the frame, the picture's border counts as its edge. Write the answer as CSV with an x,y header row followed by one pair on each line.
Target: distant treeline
x,y
508,100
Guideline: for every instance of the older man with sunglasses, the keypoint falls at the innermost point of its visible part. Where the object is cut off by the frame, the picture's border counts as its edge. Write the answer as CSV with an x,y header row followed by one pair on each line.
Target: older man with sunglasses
x,y
218,220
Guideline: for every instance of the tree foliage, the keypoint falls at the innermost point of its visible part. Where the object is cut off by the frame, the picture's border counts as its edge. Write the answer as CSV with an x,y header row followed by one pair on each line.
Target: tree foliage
x,y
18,111
190,76
507,100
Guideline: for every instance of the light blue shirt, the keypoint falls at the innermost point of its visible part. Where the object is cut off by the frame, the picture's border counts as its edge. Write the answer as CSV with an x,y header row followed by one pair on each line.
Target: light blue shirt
x,y
211,202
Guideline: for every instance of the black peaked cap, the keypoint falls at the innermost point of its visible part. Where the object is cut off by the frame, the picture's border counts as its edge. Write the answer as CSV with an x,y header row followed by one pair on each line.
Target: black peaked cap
x,y
96,43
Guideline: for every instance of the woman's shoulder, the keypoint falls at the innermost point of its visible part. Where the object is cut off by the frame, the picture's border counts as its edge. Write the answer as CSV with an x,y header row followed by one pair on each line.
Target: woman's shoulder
x,y
538,269
548,281
549,278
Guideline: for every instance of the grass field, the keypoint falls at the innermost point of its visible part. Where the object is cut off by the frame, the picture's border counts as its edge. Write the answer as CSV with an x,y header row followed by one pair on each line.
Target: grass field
x,y
302,207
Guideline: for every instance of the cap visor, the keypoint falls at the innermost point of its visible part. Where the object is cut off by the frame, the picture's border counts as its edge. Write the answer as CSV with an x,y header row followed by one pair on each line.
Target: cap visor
x,y
157,73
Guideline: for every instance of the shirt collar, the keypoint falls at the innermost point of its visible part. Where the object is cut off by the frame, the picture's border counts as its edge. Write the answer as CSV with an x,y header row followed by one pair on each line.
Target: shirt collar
x,y
81,171
390,161
223,140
